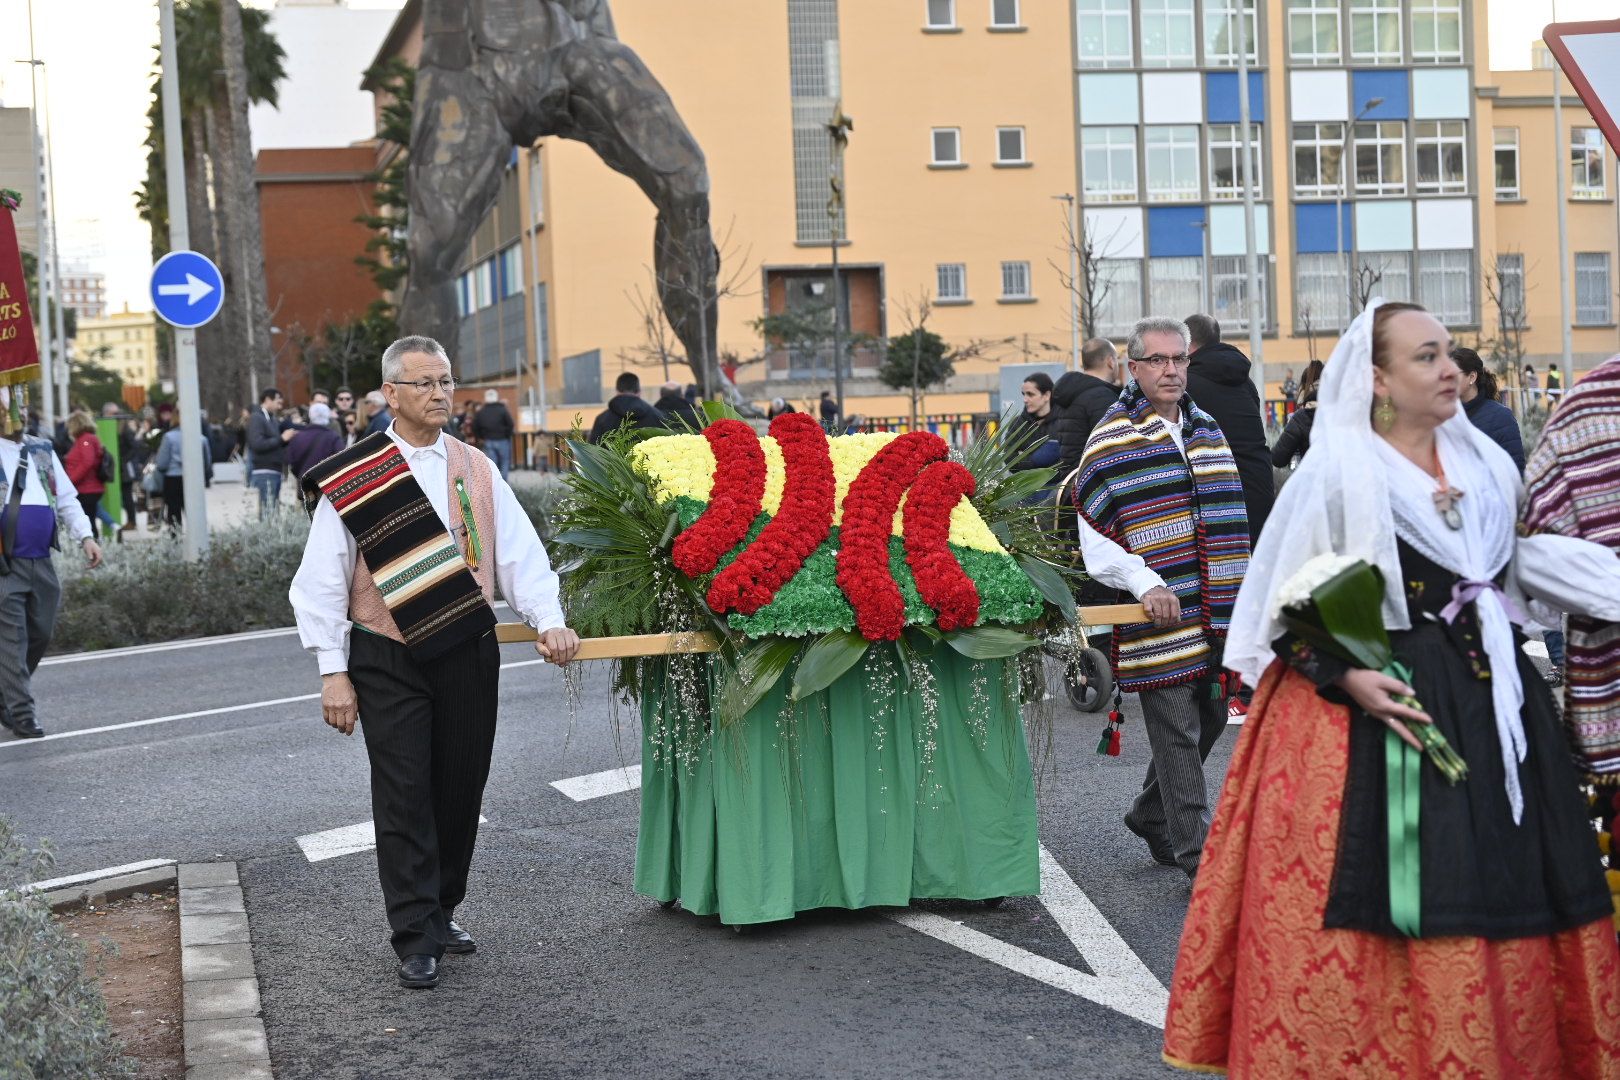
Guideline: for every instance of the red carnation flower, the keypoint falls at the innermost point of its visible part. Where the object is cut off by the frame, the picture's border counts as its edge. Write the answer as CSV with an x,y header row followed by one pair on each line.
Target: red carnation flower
x,y
735,498
869,509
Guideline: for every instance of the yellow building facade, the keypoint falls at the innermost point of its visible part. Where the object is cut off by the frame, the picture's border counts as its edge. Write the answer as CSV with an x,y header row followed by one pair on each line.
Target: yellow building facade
x,y
124,342
974,121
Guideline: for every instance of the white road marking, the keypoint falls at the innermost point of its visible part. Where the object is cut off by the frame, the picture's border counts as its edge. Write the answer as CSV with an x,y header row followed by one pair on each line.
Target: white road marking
x,y
165,646
203,712
348,840
596,785
1122,983
95,875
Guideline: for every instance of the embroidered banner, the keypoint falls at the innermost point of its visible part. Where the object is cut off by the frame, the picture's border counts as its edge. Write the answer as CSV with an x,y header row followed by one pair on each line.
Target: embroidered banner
x,y
19,355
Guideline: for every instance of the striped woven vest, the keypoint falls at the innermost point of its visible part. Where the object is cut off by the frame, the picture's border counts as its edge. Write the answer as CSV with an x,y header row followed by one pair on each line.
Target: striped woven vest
x,y
1184,516
413,581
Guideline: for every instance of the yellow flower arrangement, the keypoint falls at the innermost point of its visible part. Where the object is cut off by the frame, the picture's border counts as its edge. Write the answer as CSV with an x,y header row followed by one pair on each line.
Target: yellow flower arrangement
x,y
683,466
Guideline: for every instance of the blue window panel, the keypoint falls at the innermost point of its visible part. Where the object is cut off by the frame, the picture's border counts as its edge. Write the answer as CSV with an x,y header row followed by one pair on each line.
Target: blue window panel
x,y
1313,228
1221,92
1175,230
1389,85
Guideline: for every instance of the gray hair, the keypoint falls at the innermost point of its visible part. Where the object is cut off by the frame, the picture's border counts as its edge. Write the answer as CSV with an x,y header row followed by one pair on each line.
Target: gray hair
x,y
393,366
320,415
1135,350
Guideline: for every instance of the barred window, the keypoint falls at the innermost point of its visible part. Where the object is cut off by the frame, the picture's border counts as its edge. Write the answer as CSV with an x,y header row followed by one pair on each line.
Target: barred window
x,y
1511,313
1229,291
1015,281
1385,273
950,281
813,74
1446,285
1176,284
1592,299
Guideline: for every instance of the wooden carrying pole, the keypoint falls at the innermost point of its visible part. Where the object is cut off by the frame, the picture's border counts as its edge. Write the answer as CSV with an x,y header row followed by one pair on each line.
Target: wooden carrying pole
x,y
620,648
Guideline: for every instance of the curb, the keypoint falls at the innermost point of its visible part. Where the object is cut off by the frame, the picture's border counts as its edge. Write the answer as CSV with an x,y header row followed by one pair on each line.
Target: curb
x,y
99,893
224,1034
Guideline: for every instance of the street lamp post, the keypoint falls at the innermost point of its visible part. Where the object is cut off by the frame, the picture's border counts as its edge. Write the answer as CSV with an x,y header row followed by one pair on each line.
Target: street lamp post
x,y
47,366
1338,211
838,129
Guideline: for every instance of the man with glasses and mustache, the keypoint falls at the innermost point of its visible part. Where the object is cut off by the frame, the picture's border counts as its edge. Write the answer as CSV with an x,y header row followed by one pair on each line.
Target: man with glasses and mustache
x,y
410,532
1162,515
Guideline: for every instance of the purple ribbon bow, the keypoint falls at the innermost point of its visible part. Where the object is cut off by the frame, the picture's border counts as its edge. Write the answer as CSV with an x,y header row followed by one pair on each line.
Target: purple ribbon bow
x,y
1466,592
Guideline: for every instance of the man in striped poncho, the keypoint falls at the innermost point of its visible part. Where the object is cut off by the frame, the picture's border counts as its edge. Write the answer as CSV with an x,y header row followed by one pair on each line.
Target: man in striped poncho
x,y
1162,515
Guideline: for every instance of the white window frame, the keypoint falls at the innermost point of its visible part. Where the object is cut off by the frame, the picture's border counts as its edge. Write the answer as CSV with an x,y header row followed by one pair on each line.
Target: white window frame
x,y
1107,16
1325,136
1117,147
1012,273
1381,13
933,146
1594,292
1439,272
1228,146
1177,146
1225,14
1017,12
1229,274
1165,13
1316,13
1380,136
1585,149
928,15
1319,285
947,275
1121,304
1433,12
1505,140
1023,147
1435,136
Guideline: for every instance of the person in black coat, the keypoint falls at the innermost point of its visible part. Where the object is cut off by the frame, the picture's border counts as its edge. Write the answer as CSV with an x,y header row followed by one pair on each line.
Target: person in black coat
x,y
1478,393
1218,382
677,410
829,412
1295,440
625,407
1079,398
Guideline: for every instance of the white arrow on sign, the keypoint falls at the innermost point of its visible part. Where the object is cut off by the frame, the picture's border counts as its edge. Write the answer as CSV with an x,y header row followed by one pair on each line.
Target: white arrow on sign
x,y
193,290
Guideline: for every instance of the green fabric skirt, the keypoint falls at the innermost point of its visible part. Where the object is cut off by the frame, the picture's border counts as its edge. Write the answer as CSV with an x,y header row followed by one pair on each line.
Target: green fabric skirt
x,y
864,795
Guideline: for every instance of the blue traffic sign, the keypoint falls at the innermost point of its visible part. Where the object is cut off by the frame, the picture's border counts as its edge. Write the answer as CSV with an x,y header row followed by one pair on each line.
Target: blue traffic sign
x,y
187,289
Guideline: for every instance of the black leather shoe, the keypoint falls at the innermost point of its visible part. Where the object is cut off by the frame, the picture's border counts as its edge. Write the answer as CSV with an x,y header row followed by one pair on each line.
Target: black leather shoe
x,y
419,972
28,729
1158,845
459,940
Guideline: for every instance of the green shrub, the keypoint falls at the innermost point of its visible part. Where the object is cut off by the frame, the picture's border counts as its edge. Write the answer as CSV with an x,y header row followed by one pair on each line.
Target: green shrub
x,y
540,495
53,1021
148,592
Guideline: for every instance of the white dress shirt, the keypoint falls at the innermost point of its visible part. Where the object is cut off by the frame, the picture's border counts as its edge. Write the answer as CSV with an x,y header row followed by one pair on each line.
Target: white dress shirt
x,y
320,589
1110,563
69,514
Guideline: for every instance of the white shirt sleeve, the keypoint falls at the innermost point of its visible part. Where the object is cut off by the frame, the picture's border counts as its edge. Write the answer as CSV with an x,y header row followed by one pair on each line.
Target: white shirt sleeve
x,y
1115,567
320,589
68,511
522,568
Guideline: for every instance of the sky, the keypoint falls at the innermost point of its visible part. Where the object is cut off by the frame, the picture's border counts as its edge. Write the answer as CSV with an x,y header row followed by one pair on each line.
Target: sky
x,y
99,62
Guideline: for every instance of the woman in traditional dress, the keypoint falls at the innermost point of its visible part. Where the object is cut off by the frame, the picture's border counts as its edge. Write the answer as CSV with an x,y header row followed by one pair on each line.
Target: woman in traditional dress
x,y
1290,963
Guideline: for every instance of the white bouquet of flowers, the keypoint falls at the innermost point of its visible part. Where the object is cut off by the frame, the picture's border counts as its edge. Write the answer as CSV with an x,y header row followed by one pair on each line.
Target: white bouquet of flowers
x,y
1298,590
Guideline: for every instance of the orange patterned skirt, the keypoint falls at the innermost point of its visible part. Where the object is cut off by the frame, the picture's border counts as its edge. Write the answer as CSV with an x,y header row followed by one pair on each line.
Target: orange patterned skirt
x,y
1262,990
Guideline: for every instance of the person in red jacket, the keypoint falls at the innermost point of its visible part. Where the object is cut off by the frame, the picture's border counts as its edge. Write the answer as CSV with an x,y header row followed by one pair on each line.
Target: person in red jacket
x,y
83,463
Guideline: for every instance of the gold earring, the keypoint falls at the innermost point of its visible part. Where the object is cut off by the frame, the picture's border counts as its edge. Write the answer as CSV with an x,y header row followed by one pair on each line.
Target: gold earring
x,y
1384,415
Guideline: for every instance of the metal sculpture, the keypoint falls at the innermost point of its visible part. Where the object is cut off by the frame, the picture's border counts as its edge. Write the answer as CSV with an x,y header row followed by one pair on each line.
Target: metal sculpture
x,y
499,73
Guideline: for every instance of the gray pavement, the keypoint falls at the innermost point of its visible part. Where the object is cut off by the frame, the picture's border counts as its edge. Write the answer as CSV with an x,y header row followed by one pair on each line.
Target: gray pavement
x,y
575,975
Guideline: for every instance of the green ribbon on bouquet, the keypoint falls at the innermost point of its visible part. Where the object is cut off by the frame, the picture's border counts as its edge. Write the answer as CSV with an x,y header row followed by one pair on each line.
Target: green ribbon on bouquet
x,y
1403,778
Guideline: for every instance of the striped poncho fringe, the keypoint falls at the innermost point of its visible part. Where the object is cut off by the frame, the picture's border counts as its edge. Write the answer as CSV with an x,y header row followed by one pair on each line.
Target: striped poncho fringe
x,y
1184,516
423,577
1572,488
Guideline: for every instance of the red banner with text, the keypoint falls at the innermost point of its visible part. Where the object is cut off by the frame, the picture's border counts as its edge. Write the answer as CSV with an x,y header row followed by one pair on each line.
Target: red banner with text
x,y
19,355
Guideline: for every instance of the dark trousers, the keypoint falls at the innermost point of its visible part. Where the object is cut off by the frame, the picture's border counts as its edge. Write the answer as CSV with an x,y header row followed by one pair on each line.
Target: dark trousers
x,y
29,599
174,499
429,729
1183,723
89,503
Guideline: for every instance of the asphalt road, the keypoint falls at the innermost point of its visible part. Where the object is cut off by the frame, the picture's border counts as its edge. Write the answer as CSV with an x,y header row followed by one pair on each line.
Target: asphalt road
x,y
576,975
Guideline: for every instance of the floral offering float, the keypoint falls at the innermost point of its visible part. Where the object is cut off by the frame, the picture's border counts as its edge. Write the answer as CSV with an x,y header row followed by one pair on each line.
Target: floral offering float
x,y
856,736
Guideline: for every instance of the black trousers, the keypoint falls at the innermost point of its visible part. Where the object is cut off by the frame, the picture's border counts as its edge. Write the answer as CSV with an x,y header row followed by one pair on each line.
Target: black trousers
x,y
429,729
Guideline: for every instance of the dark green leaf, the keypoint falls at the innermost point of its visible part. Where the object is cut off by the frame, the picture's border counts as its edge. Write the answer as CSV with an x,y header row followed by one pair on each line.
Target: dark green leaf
x,y
826,661
759,668
1350,607
669,531
1050,583
989,642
